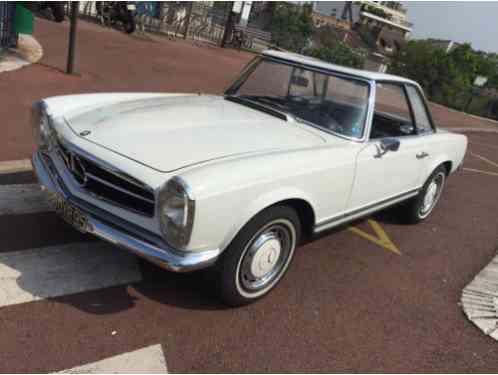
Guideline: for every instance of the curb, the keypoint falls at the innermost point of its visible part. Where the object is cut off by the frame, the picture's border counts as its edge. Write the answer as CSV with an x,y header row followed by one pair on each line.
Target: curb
x,y
28,51
494,122
479,299
15,166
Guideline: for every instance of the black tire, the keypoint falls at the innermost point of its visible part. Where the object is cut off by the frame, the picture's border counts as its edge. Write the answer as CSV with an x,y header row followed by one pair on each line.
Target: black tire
x,y
229,272
415,210
58,11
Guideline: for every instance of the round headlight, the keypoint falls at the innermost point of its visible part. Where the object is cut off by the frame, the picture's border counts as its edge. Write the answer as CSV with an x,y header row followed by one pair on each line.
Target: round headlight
x,y
176,213
40,124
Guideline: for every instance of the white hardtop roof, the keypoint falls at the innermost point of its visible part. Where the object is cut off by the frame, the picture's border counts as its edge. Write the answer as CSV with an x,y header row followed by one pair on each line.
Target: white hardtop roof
x,y
311,61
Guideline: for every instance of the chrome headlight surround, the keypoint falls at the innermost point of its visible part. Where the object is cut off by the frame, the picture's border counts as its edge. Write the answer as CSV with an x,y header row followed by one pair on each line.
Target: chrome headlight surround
x,y
43,133
176,210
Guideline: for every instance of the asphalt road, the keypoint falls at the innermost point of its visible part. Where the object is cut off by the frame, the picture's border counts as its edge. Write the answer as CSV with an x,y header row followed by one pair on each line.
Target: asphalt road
x,y
382,297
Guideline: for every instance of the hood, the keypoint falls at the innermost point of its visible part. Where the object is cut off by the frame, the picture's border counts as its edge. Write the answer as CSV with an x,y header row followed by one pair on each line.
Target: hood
x,y
168,133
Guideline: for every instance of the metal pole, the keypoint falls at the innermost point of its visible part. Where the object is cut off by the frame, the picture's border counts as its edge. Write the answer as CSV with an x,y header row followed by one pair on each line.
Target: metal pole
x,y
72,37
187,19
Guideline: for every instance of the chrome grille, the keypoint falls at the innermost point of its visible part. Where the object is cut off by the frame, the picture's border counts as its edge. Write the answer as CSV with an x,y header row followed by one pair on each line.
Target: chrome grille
x,y
106,184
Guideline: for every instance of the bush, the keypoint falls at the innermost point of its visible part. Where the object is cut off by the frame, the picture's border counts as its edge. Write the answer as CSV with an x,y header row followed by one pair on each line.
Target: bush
x,y
291,26
340,54
447,78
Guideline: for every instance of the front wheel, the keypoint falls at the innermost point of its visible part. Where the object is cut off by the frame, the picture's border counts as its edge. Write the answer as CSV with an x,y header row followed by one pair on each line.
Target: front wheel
x,y
259,256
420,207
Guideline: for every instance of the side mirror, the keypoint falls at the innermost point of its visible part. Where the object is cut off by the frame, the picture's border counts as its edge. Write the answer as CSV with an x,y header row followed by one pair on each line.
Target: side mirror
x,y
387,144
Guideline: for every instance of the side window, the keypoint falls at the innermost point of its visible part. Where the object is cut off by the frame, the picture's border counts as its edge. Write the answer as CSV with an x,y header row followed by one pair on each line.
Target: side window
x,y
419,110
392,116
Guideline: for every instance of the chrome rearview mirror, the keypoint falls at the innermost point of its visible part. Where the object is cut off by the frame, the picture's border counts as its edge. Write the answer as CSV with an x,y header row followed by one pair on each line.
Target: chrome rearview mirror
x,y
387,144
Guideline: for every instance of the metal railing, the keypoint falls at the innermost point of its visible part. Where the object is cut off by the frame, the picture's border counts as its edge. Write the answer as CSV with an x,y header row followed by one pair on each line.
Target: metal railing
x,y
193,20
8,36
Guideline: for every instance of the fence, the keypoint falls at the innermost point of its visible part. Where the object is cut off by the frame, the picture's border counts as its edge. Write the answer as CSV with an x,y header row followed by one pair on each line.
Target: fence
x,y
193,20
8,36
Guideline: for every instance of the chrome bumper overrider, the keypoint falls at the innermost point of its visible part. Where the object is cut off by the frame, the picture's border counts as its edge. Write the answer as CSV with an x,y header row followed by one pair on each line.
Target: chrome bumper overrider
x,y
120,232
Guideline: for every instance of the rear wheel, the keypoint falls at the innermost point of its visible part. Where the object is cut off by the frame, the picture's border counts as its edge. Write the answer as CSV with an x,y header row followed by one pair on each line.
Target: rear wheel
x,y
258,256
422,205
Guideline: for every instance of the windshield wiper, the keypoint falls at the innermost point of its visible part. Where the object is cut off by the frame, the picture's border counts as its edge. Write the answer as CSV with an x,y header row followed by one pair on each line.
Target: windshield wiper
x,y
272,100
262,105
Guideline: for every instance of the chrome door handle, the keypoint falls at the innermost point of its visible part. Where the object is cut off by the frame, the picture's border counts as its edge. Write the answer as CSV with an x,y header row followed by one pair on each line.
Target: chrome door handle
x,y
422,155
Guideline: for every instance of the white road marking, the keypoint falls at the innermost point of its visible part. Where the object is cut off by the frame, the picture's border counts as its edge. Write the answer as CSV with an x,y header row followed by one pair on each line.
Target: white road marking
x,y
22,199
14,166
479,171
148,360
480,300
484,159
36,274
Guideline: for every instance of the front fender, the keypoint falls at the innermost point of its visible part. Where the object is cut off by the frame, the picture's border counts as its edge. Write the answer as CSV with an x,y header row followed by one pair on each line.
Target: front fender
x,y
263,201
229,193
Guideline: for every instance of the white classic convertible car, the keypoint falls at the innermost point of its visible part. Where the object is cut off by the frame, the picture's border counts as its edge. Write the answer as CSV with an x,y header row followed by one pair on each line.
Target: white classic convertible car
x,y
295,146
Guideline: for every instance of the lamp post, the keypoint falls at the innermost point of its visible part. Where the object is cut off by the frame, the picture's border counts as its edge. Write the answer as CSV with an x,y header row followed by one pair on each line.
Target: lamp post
x,y
72,37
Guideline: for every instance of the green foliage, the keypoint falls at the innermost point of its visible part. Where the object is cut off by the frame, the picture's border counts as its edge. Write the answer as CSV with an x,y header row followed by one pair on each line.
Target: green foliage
x,y
340,53
291,26
446,77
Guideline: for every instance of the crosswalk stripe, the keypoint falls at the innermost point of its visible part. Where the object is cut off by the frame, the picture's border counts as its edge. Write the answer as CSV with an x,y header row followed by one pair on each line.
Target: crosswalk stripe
x,y
146,360
12,166
22,199
54,271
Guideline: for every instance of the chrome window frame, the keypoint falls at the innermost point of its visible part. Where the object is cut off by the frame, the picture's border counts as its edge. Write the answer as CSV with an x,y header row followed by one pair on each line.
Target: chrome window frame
x,y
404,84
370,101
421,94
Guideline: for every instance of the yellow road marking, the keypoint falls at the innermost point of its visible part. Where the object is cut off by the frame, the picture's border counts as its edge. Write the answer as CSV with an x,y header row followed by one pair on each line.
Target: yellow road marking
x,y
484,159
479,171
382,238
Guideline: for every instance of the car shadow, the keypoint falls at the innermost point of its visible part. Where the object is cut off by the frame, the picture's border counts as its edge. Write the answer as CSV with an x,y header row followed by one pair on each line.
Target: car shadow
x,y
133,278
191,291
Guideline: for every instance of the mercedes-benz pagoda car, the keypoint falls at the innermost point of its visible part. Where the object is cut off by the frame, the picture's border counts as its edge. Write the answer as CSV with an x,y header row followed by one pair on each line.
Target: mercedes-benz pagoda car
x,y
295,146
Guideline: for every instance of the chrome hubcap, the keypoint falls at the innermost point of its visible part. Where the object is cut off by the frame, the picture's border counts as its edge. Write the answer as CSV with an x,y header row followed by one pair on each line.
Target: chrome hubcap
x,y
265,257
432,194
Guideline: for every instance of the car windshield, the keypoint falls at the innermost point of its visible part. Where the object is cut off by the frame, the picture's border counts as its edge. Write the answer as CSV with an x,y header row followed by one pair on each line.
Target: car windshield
x,y
330,102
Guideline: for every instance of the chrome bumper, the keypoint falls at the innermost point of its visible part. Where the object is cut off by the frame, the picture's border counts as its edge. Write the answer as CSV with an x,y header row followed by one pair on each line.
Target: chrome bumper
x,y
119,232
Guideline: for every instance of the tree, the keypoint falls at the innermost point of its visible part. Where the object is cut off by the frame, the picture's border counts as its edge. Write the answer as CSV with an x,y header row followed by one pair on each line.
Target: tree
x,y
291,26
341,54
447,77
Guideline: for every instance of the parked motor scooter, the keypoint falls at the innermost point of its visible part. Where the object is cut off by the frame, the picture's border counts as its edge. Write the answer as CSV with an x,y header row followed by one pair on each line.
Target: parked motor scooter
x,y
50,9
113,12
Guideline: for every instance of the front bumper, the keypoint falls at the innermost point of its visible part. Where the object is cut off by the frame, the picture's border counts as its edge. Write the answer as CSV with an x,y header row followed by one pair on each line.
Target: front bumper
x,y
118,231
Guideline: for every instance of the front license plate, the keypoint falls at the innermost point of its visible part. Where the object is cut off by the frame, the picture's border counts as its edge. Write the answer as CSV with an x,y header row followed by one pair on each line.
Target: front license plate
x,y
131,7
69,213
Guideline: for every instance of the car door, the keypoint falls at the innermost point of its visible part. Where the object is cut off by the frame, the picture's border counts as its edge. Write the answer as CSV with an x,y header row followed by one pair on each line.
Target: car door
x,y
389,166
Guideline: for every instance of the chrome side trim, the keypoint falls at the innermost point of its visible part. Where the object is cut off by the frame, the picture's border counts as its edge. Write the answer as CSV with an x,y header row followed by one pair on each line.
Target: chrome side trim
x,y
122,233
358,213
